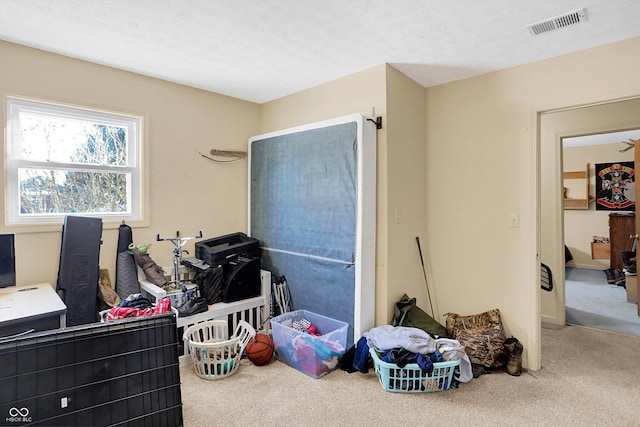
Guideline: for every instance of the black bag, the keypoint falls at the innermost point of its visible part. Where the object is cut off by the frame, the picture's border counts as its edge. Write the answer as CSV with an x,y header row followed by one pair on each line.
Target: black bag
x,y
126,270
210,283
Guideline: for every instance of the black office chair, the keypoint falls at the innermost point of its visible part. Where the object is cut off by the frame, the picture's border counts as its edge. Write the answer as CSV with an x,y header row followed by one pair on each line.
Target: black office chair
x,y
546,278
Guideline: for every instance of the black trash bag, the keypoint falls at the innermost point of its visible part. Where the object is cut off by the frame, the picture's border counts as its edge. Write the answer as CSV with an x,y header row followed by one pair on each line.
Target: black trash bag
x,y
407,313
210,283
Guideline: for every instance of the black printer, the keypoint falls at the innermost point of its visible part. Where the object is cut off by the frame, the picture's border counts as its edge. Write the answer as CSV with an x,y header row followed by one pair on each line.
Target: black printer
x,y
239,258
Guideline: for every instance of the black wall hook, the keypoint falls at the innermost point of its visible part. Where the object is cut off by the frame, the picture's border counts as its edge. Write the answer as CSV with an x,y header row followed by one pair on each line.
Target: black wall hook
x,y
377,121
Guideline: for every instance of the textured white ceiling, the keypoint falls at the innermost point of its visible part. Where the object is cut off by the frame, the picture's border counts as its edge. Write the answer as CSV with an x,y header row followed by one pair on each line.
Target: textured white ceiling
x,y
621,137
260,50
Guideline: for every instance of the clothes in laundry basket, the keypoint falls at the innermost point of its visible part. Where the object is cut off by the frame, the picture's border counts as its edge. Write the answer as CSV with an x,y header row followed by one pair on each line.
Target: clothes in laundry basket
x,y
414,340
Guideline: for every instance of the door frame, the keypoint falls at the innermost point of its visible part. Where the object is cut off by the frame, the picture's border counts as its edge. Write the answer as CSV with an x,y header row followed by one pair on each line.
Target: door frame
x,y
558,217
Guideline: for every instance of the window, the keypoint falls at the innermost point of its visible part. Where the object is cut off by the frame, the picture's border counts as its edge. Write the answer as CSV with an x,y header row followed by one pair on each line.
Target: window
x,y
63,160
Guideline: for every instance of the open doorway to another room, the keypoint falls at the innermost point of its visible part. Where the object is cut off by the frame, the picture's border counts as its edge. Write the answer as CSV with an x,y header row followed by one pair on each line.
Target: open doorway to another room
x,y
599,219
566,236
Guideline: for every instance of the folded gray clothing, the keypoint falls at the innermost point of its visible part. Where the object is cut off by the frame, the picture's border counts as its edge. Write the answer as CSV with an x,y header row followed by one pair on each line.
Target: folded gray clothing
x,y
387,337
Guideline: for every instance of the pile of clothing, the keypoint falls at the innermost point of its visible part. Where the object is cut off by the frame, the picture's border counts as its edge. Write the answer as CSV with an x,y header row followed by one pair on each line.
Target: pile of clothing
x,y
402,345
136,305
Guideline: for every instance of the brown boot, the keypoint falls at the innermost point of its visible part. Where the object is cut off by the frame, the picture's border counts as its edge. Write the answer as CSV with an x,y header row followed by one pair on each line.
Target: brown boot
x,y
513,347
151,270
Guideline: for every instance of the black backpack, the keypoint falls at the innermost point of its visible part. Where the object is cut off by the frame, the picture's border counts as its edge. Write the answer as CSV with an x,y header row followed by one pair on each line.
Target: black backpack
x,y
210,283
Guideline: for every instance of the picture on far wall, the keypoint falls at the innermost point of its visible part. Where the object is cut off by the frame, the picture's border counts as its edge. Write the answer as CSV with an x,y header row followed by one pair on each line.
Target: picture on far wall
x,y
615,186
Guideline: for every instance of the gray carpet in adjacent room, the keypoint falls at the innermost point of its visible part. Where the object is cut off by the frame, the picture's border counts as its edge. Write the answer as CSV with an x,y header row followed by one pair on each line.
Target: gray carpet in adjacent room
x,y
588,378
591,301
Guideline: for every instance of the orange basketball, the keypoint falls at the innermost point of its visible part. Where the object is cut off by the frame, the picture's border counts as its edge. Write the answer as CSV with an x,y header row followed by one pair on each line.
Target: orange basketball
x,y
260,349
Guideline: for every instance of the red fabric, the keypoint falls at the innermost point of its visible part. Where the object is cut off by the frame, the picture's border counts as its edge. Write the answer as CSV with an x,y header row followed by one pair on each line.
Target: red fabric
x,y
117,312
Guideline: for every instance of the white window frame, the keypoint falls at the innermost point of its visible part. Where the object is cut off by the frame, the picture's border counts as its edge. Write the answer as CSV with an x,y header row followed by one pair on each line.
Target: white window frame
x,y
136,191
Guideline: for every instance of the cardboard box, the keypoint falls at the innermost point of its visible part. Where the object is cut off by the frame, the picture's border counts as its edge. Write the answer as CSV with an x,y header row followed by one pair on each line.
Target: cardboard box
x,y
632,288
315,356
600,250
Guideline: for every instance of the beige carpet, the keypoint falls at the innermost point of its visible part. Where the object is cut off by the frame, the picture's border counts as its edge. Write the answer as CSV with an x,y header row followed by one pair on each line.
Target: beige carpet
x,y
588,378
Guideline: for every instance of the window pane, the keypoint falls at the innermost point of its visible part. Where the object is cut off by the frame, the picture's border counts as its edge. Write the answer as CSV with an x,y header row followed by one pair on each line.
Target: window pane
x,y
65,140
45,191
63,159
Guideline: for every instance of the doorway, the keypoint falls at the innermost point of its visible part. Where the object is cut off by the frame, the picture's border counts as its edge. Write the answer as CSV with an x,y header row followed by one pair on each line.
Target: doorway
x,y
596,294
615,116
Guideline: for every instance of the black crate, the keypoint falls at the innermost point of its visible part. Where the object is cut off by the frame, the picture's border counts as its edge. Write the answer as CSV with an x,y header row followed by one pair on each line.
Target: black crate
x,y
124,372
220,250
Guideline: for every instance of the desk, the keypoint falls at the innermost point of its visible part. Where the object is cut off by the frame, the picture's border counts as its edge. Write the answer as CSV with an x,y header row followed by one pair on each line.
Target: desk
x,y
30,307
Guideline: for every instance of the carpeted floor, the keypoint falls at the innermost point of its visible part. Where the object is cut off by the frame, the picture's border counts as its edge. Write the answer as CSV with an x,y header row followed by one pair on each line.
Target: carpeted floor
x,y
591,301
588,378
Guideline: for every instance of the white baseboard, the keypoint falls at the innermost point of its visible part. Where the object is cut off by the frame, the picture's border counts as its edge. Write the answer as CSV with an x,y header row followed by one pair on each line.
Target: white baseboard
x,y
588,266
549,319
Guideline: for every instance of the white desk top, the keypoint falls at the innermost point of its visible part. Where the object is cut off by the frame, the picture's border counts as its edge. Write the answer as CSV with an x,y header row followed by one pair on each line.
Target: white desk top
x,y
18,303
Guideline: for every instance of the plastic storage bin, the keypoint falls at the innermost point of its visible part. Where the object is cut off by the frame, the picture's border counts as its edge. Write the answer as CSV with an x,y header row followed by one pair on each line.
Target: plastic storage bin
x,y
411,379
315,356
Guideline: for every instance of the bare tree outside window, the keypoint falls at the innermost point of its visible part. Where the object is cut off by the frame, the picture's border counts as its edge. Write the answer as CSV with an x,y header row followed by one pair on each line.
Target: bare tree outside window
x,y
66,191
67,161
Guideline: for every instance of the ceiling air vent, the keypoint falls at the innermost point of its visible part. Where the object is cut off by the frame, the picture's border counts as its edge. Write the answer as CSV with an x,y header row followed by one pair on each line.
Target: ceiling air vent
x,y
557,22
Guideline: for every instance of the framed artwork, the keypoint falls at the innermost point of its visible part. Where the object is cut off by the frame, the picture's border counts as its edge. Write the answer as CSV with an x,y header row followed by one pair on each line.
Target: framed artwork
x,y
615,186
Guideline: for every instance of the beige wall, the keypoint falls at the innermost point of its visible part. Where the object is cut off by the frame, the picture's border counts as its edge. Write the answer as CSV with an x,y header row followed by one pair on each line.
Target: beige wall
x,y
581,225
406,196
481,164
187,192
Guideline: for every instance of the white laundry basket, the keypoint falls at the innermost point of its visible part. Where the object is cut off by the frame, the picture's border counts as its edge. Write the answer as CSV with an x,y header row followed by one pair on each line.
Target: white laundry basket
x,y
214,355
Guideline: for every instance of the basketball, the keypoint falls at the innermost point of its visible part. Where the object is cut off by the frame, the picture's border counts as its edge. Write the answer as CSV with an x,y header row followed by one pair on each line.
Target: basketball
x,y
259,349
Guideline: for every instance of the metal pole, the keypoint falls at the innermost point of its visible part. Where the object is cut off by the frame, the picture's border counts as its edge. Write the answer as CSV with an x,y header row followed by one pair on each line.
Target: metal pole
x,y
424,272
